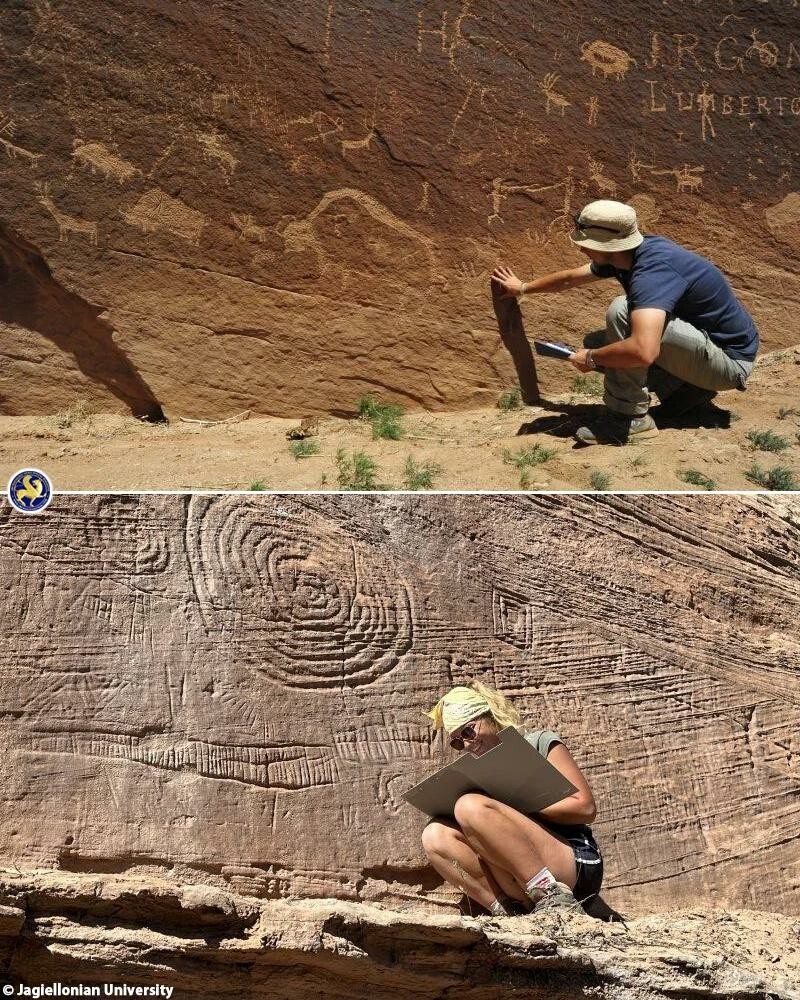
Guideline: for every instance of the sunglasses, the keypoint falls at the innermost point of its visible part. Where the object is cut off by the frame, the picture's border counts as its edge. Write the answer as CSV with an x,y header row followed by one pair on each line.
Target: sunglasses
x,y
467,732
583,226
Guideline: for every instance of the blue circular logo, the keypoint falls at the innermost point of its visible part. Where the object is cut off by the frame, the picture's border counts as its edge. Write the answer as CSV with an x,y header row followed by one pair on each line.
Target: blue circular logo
x,y
29,490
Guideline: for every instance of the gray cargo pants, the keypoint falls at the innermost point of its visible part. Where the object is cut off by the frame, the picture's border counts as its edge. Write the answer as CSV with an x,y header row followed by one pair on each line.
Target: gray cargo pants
x,y
687,355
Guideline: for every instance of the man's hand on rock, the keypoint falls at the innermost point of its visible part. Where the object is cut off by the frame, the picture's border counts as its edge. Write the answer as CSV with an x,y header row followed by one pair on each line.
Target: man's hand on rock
x,y
508,281
578,359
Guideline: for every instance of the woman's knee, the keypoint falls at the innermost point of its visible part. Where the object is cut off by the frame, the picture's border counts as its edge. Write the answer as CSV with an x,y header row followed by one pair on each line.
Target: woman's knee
x,y
438,838
472,808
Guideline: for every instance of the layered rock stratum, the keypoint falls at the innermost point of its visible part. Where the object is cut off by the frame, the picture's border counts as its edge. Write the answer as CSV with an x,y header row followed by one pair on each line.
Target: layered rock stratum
x,y
282,206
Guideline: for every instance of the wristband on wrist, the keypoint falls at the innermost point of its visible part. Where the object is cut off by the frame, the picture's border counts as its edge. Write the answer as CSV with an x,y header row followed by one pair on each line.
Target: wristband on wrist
x,y
521,291
590,362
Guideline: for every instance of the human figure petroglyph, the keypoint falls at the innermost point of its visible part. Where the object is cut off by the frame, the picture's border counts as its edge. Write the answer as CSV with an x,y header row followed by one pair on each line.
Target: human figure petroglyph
x,y
706,102
635,166
424,202
610,60
98,157
214,152
554,99
66,223
605,185
593,110
299,235
686,177
156,210
8,129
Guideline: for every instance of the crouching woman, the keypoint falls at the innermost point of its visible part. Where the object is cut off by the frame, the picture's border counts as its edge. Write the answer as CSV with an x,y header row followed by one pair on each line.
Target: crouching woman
x,y
507,861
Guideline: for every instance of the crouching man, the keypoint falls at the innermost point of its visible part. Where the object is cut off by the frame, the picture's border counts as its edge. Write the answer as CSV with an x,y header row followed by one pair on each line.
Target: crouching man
x,y
679,331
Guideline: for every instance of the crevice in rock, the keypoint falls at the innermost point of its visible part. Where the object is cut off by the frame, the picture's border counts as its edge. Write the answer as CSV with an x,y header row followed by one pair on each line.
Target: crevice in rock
x,y
33,299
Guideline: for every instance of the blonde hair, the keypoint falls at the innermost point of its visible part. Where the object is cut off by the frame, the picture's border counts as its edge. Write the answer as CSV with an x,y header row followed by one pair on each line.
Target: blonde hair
x,y
502,711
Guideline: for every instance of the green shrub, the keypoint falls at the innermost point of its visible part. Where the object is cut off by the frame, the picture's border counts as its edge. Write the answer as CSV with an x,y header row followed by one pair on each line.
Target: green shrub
x,y
305,448
779,478
511,400
526,458
588,385
258,486
695,478
599,480
356,471
420,475
385,418
767,441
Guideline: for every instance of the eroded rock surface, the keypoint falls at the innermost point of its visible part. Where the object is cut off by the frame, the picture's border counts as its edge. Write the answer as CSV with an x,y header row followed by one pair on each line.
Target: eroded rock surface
x,y
230,690
281,206
99,929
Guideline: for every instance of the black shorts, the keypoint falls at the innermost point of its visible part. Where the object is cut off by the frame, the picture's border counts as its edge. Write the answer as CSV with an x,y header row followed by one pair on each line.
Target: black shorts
x,y
589,863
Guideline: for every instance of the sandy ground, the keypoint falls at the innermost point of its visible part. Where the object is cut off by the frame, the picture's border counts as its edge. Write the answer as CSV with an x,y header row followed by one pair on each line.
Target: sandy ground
x,y
95,451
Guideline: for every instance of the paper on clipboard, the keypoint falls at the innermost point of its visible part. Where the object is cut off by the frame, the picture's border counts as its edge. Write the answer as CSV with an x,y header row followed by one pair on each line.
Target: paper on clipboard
x,y
513,772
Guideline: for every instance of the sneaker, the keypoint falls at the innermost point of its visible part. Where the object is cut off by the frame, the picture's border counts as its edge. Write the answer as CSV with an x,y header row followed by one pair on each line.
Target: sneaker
x,y
558,899
617,428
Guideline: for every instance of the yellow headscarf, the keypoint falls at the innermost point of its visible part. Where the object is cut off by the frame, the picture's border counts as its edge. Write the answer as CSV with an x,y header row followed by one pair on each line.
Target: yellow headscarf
x,y
459,705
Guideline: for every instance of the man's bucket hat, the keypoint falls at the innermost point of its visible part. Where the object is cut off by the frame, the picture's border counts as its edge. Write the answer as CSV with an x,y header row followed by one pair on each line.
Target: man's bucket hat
x,y
608,226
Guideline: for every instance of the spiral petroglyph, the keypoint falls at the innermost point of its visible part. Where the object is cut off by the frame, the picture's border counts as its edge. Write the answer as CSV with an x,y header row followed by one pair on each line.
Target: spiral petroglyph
x,y
301,603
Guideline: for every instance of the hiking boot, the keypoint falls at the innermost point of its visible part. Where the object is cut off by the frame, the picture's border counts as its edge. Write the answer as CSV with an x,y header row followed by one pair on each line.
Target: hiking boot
x,y
617,428
558,899
684,399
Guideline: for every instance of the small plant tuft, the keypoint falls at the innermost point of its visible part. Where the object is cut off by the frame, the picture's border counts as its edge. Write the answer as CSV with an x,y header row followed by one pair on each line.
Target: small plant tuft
x,y
385,418
258,486
511,400
79,411
356,471
599,480
767,441
779,478
305,448
588,385
527,458
785,412
695,478
420,475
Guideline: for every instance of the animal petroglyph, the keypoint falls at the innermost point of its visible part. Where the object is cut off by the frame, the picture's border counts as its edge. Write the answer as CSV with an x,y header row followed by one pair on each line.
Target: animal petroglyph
x,y
289,768
635,166
610,60
8,129
98,157
303,606
156,211
66,223
321,124
603,184
299,235
554,99
248,229
687,178
214,152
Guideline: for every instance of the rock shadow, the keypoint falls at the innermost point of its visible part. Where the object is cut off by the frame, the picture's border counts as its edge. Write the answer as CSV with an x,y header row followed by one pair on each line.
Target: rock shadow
x,y
31,297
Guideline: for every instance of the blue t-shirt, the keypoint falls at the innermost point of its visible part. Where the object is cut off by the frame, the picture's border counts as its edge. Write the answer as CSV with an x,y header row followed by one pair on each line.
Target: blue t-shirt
x,y
685,285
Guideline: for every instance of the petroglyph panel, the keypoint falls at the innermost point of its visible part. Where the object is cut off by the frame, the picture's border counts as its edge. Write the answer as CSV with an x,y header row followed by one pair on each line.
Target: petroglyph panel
x,y
307,608
318,179
238,685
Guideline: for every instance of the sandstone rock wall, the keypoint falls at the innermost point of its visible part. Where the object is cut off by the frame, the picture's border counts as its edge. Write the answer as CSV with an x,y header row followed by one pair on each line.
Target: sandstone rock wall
x,y
230,689
282,206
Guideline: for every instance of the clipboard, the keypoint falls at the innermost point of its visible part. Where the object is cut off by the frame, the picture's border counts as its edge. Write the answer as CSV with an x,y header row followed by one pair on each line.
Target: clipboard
x,y
513,772
551,350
